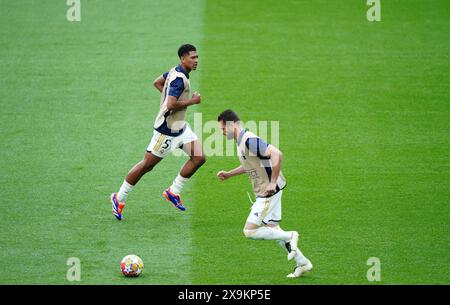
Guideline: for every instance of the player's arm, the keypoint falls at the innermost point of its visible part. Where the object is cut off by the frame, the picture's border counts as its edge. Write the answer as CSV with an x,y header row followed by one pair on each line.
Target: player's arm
x,y
174,104
223,175
159,82
276,157
176,88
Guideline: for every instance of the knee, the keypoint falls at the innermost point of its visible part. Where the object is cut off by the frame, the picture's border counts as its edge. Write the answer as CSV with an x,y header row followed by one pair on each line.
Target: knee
x,y
199,160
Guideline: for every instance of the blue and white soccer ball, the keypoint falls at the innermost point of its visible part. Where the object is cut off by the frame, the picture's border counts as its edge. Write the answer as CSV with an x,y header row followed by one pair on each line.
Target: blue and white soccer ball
x,y
131,265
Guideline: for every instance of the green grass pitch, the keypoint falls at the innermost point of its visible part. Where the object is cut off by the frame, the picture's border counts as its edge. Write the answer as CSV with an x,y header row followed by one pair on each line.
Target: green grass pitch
x,y
364,116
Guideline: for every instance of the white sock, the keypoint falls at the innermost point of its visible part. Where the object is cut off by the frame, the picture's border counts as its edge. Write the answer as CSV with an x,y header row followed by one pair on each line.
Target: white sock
x,y
283,245
300,259
178,184
124,190
268,233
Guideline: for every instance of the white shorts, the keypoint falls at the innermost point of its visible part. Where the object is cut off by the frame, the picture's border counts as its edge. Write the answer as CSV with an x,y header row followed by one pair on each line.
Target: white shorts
x,y
161,145
266,210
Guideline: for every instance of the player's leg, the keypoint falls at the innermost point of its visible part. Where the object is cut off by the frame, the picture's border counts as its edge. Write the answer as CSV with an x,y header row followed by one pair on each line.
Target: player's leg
x,y
272,220
132,178
272,216
302,263
196,158
159,147
291,247
194,150
255,228
253,231
260,214
135,174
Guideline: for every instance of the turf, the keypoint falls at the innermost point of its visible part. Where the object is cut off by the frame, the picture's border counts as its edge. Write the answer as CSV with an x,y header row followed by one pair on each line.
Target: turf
x,y
364,123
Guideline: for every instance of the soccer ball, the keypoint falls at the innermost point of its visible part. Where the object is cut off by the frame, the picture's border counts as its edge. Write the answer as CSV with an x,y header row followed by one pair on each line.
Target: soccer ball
x,y
131,265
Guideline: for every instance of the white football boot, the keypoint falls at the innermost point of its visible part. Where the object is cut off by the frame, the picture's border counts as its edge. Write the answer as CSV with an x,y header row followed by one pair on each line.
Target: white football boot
x,y
299,270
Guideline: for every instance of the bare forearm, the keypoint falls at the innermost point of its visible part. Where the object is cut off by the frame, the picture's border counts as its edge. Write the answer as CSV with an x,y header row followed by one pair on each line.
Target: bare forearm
x,y
235,172
173,104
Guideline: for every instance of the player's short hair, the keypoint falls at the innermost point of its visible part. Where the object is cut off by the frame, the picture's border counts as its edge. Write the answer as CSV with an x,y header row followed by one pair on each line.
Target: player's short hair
x,y
228,116
185,49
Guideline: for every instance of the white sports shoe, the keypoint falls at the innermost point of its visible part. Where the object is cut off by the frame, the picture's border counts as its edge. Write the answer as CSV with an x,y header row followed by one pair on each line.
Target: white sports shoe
x,y
293,242
299,270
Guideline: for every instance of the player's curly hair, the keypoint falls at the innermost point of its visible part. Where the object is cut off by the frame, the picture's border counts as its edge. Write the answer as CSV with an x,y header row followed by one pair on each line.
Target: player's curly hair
x,y
228,116
185,49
